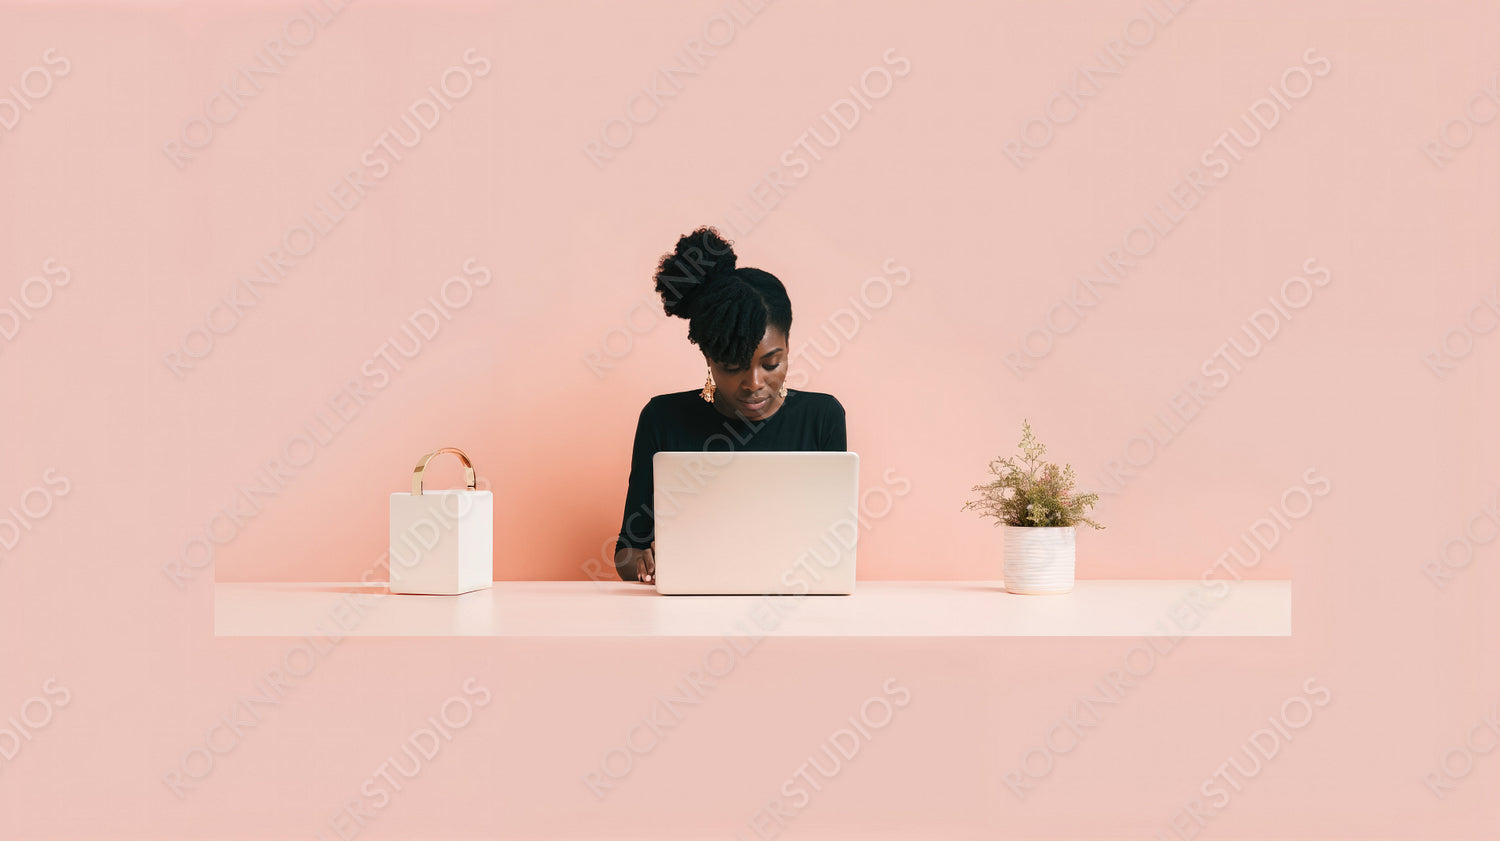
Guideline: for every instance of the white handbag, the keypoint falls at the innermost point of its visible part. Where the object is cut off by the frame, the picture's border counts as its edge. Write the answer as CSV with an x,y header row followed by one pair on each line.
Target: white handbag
x,y
442,541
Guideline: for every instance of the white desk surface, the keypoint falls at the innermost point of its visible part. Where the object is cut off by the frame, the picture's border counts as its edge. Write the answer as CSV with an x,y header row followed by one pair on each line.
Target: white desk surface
x,y
1095,608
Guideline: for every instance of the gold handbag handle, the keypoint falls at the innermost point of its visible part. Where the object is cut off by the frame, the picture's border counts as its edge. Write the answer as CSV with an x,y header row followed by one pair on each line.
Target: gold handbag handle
x,y
416,475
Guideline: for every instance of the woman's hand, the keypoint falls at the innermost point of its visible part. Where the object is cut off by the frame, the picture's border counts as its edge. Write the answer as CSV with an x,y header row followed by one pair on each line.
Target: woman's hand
x,y
645,569
643,561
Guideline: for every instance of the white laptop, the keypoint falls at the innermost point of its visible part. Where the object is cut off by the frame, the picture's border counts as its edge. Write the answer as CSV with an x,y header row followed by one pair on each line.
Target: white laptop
x,y
749,523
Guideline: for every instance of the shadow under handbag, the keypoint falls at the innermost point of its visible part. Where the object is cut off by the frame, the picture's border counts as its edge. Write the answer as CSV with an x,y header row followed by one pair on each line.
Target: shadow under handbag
x,y
442,541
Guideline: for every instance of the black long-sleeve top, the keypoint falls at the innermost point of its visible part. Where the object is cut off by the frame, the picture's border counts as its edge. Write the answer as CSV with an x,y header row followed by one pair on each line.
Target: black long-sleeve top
x,y
683,421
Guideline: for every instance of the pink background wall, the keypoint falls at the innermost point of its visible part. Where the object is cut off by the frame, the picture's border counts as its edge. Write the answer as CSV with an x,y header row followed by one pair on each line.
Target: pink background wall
x,y
124,462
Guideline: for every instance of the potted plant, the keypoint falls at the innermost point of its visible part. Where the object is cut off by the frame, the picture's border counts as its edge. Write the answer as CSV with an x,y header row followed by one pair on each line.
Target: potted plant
x,y
1034,500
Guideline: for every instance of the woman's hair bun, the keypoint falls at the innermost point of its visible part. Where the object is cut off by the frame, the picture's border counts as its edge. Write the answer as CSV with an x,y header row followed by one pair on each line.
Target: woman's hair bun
x,y
700,259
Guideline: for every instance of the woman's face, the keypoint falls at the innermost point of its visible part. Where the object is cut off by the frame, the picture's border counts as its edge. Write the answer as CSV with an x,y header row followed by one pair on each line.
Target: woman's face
x,y
753,392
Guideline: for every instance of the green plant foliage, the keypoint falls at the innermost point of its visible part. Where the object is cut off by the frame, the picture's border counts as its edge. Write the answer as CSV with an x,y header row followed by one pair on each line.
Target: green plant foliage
x,y
1032,492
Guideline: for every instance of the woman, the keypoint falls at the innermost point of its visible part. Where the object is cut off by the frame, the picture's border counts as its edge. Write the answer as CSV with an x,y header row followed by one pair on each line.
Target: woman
x,y
741,319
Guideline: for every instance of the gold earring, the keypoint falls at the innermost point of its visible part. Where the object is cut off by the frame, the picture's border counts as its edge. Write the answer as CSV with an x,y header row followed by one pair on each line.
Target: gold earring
x,y
783,389
708,388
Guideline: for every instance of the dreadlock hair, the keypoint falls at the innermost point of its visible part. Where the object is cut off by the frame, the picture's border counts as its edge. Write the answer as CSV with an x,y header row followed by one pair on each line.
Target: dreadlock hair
x,y
728,309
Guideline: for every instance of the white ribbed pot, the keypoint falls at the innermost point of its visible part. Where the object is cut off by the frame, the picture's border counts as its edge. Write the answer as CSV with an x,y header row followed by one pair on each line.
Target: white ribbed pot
x,y
1039,561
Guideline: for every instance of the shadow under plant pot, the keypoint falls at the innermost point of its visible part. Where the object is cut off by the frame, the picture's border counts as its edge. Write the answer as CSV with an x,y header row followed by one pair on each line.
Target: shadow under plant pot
x,y
1039,560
